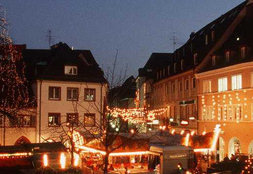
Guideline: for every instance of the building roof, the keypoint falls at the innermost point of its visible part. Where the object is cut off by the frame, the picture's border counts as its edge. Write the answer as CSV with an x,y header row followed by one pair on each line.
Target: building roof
x,y
48,64
239,35
200,43
155,61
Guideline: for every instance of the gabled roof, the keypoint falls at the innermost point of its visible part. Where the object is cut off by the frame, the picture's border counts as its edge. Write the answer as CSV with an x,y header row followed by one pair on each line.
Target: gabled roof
x,y
49,64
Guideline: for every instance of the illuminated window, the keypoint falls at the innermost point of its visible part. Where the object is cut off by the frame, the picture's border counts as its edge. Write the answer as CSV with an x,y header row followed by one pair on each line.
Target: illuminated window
x,y
54,93
54,119
237,82
227,56
195,57
25,121
243,52
72,94
89,120
213,60
207,84
72,119
223,84
89,94
70,70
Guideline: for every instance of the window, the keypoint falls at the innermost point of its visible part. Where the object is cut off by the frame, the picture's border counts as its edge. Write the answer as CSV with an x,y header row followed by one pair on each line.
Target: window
x,y
186,84
251,78
213,60
72,94
54,119
173,88
89,120
72,119
193,82
25,121
206,39
168,70
213,35
180,86
222,84
237,82
195,57
55,93
227,56
182,64
1,120
71,70
89,94
175,67
243,52
207,86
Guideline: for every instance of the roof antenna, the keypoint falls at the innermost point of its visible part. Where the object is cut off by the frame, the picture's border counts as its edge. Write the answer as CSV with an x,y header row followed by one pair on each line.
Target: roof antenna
x,y
50,37
174,43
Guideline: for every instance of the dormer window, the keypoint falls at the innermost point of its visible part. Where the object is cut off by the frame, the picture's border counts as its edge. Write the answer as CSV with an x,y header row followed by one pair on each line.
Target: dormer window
x,y
213,60
206,39
212,35
70,70
182,64
243,52
195,57
168,70
227,56
175,67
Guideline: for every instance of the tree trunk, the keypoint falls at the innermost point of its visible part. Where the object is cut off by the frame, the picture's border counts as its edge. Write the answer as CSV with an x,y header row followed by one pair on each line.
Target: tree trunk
x,y
106,162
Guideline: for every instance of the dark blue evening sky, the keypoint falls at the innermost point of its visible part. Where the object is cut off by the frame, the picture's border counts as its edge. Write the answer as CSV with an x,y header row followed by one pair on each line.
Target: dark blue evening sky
x,y
135,27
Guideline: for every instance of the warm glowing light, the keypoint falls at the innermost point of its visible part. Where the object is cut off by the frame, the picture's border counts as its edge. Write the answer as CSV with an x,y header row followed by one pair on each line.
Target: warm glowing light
x,y
204,133
191,118
63,160
22,154
187,137
92,150
184,122
172,131
182,132
129,153
45,160
76,159
216,136
192,133
164,127
132,131
171,119
202,150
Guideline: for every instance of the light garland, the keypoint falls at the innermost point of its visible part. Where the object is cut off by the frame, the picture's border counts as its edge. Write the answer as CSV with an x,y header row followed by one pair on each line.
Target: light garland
x,y
137,115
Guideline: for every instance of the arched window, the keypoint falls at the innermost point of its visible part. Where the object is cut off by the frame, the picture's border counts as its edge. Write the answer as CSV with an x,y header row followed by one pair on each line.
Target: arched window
x,y
234,147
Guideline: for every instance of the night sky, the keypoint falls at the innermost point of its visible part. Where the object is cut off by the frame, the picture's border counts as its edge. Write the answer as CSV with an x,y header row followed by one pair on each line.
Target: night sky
x,y
135,27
